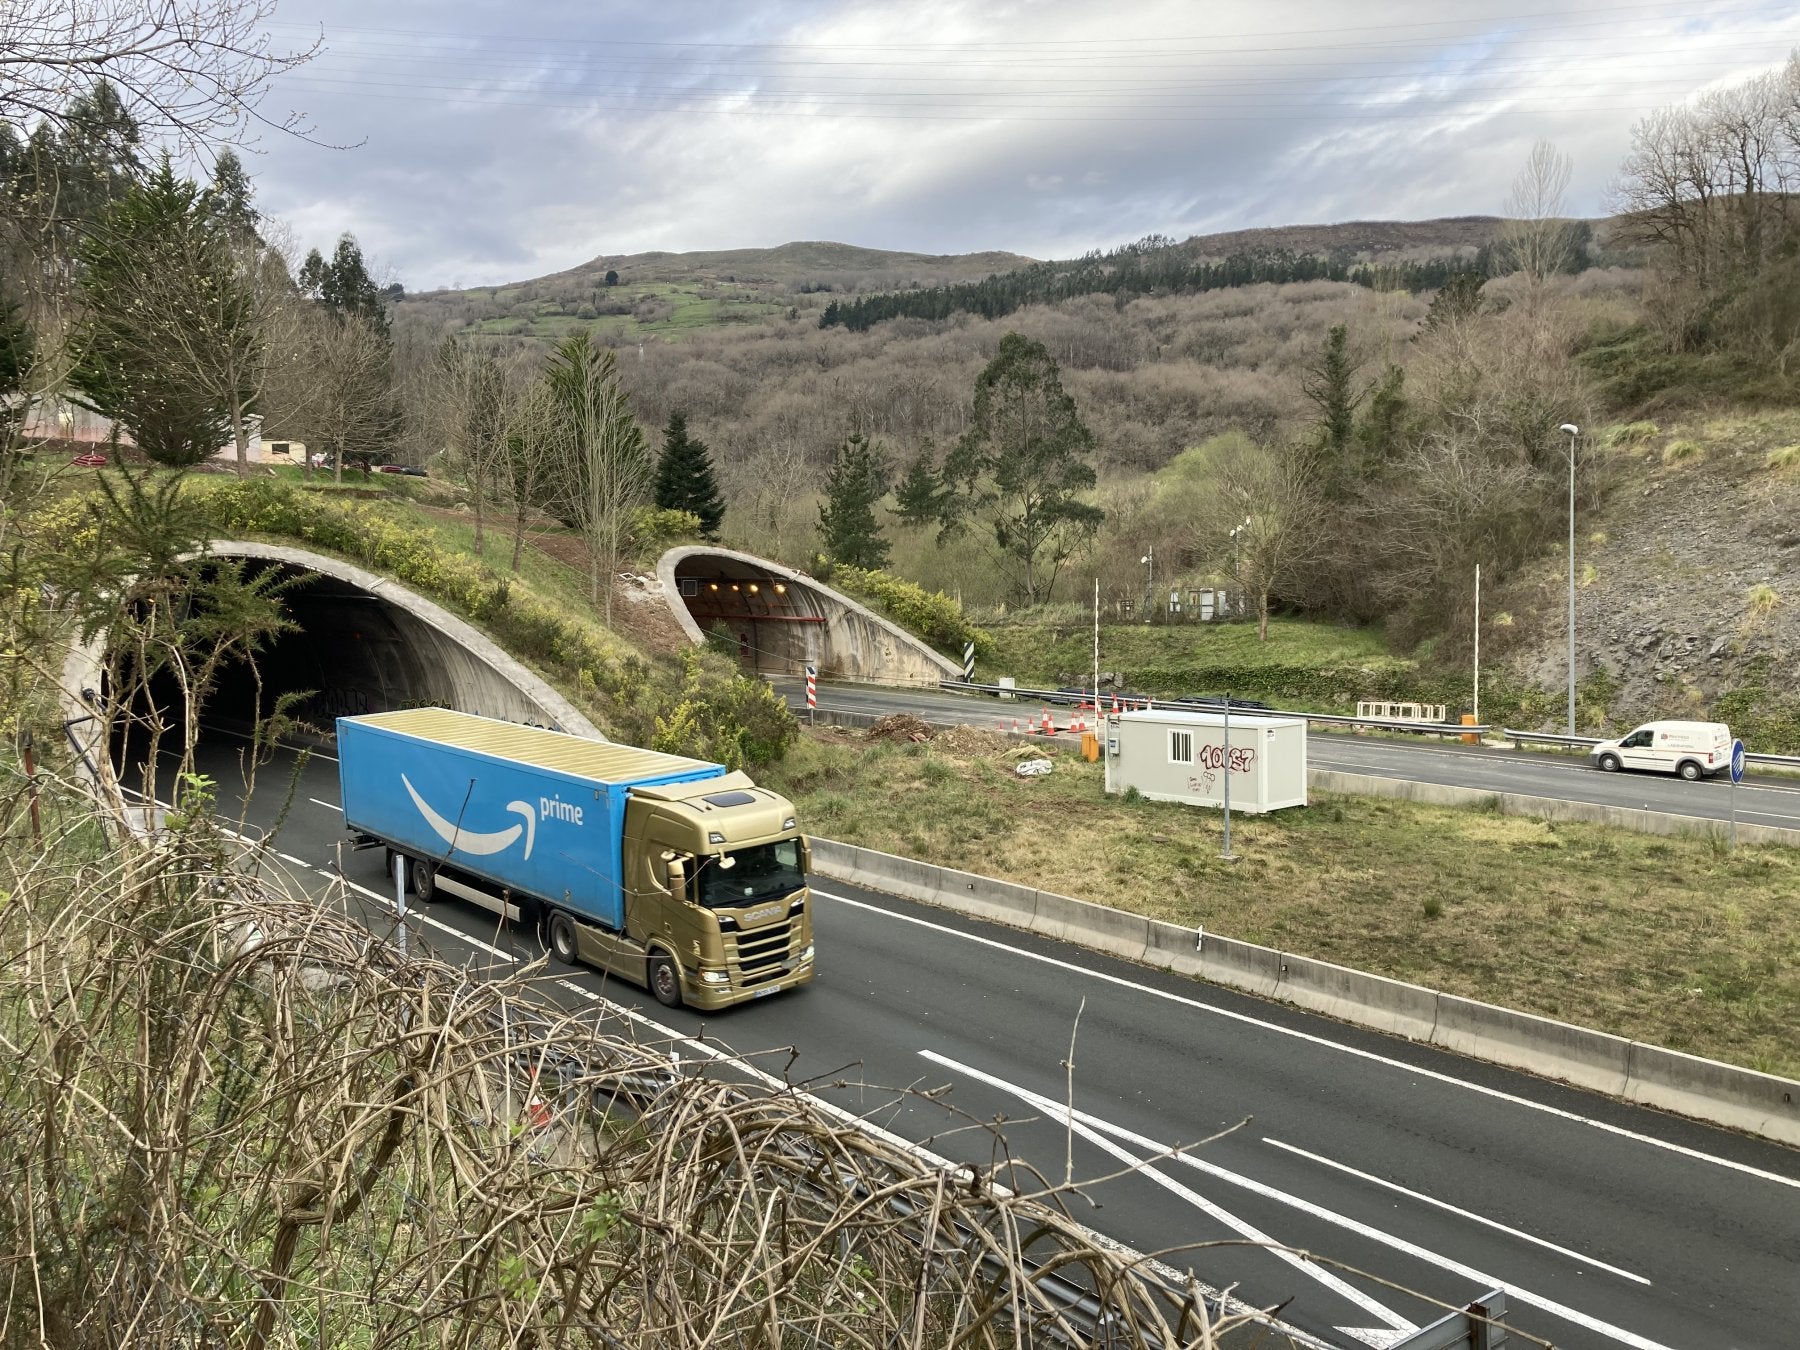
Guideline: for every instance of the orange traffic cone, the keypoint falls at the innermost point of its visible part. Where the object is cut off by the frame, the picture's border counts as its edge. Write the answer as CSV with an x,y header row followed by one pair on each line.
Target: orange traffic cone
x,y
1049,730
537,1111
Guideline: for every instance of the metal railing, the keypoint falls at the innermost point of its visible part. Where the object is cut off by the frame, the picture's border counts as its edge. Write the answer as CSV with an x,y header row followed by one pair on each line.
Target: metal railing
x,y
1588,742
1215,704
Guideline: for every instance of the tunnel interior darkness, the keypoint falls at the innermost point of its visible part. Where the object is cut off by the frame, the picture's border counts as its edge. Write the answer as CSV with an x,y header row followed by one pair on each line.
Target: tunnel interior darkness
x,y
350,652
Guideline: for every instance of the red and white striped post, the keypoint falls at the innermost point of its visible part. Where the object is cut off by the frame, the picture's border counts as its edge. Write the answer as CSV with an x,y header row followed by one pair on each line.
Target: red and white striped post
x,y
812,692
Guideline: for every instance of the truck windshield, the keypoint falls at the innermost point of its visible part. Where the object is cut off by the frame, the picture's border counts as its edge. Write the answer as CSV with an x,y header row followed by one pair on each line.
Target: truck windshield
x,y
760,873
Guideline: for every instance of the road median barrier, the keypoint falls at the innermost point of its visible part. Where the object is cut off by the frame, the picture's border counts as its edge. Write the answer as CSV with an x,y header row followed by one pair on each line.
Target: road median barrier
x,y
1632,818
1688,1085
1209,956
1089,925
1392,1006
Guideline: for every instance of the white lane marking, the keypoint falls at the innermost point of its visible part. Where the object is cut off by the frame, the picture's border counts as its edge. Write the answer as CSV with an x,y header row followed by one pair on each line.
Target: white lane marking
x,y
1326,1043
290,858
1249,1231
1444,1205
329,806
1455,1267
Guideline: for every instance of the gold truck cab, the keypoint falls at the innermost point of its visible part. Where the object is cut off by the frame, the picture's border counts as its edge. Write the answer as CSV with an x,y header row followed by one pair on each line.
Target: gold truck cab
x,y
716,891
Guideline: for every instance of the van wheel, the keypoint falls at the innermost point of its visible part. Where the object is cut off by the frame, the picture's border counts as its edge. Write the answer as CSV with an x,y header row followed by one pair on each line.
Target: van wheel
x,y
665,980
1609,764
421,879
559,932
1689,770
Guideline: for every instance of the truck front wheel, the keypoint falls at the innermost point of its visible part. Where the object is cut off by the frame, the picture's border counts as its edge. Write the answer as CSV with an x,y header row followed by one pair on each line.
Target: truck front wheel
x,y
665,980
560,930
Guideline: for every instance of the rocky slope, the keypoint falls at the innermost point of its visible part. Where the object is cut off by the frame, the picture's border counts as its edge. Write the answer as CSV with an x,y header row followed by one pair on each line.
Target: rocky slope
x,y
1688,581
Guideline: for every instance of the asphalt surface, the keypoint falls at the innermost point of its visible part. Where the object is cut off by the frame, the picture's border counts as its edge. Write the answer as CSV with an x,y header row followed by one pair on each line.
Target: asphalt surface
x,y
1764,799
1609,1225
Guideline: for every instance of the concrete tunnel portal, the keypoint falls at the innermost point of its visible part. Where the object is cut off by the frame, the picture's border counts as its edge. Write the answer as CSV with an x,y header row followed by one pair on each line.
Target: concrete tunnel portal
x,y
778,621
360,644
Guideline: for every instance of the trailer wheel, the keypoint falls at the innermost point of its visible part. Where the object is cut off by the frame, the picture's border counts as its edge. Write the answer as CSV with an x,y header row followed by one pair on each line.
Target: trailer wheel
x,y
421,879
559,931
665,980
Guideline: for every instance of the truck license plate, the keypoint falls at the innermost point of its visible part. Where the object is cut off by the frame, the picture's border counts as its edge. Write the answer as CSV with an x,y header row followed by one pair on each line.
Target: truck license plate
x,y
764,993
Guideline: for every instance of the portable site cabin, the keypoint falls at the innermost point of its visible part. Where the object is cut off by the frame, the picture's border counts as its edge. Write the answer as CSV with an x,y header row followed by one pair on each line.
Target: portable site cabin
x,y
1171,756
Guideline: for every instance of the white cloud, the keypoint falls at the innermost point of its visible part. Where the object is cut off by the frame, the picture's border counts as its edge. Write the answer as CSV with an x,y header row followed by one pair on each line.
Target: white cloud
x,y
501,144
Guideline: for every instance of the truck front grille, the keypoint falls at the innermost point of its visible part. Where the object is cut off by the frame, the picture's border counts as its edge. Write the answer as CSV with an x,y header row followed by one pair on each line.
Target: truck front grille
x,y
760,954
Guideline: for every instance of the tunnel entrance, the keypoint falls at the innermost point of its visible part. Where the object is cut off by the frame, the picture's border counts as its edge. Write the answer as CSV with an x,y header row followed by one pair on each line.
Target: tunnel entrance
x,y
777,621
360,644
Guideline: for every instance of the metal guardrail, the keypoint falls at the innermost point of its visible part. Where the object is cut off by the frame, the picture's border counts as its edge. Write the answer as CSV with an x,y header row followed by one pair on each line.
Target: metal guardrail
x,y
1550,738
1206,705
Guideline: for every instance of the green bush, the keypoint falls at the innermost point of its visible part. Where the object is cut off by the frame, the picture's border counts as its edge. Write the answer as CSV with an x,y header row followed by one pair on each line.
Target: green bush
x,y
1629,434
931,615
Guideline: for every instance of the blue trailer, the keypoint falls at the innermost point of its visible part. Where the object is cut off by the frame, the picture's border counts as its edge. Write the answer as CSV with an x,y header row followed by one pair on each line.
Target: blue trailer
x,y
671,871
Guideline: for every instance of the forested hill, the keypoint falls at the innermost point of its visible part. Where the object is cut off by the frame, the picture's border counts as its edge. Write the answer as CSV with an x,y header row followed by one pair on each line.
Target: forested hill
x,y
1383,255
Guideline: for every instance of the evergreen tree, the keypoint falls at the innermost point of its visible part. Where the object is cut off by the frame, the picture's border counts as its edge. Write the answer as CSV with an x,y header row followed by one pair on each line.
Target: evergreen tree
x,y
1021,467
1330,383
1380,435
343,285
684,478
228,200
847,524
919,498
163,297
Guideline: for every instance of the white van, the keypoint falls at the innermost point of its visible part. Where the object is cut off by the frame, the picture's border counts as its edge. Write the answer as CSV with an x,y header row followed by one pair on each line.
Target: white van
x,y
1691,749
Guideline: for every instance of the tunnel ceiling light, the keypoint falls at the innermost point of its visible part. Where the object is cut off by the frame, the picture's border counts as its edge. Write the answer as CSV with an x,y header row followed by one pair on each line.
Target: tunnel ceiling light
x,y
753,588
780,589
734,585
715,585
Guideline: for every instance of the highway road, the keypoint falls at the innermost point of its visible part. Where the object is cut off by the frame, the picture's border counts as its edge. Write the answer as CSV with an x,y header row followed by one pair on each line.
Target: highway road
x,y
1762,799
1608,1225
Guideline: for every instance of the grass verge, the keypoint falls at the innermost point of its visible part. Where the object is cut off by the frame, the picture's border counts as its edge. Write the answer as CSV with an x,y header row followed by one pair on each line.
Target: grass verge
x,y
1678,942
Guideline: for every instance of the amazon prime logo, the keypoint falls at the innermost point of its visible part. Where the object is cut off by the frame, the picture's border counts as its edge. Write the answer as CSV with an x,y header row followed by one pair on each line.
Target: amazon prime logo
x,y
472,842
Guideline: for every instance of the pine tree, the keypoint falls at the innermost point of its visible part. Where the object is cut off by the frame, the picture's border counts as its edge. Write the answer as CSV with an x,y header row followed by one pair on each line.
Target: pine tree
x,y
343,285
684,478
228,200
919,498
847,524
1330,383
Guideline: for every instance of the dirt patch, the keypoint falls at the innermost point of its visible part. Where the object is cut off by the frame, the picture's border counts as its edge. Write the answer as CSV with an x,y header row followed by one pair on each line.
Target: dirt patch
x,y
900,727
970,742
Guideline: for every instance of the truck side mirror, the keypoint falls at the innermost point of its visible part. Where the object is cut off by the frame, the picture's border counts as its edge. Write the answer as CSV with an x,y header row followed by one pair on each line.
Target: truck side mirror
x,y
677,875
805,855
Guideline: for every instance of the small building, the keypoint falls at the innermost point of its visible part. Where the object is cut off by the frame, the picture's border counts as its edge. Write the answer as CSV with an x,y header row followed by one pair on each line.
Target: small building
x,y
1182,756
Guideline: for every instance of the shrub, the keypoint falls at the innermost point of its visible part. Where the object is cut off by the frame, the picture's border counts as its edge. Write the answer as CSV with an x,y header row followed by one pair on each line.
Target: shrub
x,y
1627,435
931,615
1677,452
1785,460
1761,600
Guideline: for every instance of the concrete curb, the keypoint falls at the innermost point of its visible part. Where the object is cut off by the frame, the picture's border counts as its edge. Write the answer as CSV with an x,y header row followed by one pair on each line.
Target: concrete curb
x,y
1704,1089
1546,808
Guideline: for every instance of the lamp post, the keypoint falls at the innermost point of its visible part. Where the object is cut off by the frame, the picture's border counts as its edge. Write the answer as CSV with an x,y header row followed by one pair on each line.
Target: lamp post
x,y
1237,570
1149,561
1573,431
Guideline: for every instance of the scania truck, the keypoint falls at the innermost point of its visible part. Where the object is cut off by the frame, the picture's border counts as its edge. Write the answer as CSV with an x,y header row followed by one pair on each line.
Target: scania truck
x,y
670,872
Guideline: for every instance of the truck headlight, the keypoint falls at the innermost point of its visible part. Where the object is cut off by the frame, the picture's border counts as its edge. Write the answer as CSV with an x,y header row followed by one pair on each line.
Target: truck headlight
x,y
715,977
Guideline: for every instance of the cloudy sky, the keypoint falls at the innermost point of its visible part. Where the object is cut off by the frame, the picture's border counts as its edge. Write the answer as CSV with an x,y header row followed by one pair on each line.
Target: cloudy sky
x,y
490,142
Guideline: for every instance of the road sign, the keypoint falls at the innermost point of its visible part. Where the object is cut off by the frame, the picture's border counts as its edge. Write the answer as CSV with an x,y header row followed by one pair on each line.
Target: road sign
x,y
1737,761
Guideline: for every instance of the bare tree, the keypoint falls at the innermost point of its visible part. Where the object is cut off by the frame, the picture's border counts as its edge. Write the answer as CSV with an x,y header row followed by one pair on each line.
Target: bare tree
x,y
472,408
603,470
192,70
1271,495
334,389
1536,238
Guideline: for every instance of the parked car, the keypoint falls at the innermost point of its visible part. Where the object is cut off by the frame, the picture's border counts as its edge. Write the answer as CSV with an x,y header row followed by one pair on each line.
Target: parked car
x,y
1691,749
92,460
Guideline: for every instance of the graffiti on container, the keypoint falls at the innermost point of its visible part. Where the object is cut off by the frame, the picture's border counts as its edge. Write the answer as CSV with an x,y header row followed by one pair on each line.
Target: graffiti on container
x,y
1213,757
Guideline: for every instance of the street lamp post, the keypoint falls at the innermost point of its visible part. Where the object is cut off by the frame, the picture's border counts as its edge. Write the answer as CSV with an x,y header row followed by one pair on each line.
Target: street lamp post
x,y
1237,570
1149,561
1573,431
